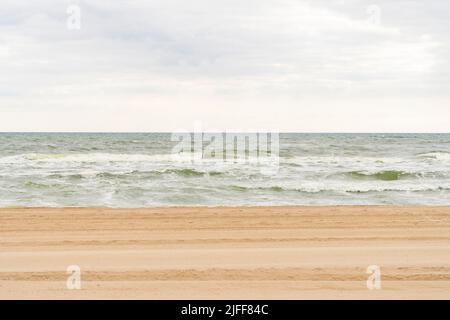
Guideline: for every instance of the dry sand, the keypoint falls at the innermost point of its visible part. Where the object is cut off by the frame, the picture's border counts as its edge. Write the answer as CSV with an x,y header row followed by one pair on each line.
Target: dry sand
x,y
226,253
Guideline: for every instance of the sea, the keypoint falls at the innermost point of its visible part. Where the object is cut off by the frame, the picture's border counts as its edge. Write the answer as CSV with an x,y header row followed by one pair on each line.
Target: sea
x,y
133,170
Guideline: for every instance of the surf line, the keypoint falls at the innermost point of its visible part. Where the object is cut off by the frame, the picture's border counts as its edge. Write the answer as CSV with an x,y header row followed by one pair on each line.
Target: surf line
x,y
193,310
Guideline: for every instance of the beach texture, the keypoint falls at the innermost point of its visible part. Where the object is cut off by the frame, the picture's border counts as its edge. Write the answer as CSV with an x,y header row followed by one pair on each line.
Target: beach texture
x,y
298,252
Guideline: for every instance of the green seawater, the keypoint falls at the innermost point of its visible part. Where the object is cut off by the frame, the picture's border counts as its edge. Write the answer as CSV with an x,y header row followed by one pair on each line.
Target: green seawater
x,y
147,169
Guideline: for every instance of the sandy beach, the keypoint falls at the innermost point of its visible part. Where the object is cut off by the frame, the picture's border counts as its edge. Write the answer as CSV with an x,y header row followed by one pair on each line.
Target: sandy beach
x,y
226,253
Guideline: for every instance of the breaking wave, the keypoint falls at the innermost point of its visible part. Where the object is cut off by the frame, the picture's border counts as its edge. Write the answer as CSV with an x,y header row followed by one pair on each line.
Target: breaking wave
x,y
388,175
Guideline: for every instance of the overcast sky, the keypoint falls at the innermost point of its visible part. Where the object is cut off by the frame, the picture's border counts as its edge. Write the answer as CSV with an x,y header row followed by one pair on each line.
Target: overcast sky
x,y
287,65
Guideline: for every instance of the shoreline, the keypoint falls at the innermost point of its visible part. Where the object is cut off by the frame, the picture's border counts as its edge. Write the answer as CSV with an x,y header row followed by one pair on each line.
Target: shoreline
x,y
245,252
252,206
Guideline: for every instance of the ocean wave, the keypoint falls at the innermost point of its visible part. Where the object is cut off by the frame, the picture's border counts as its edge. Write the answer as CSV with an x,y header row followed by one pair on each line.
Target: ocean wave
x,y
437,155
392,162
88,158
295,161
343,160
117,158
386,175
352,163
67,176
341,189
40,185
183,172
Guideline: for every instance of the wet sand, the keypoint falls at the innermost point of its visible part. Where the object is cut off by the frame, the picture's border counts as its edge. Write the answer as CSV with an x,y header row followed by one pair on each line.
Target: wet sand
x,y
299,252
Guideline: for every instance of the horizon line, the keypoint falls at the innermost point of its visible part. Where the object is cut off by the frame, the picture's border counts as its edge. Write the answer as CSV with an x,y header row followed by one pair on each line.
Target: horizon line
x,y
223,131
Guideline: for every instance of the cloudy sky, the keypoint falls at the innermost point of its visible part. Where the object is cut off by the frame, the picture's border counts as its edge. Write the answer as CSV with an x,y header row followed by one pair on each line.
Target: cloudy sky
x,y
163,65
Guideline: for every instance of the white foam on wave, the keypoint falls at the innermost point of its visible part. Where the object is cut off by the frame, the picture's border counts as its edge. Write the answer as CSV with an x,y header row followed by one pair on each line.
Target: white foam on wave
x,y
91,158
109,158
351,187
443,156
343,160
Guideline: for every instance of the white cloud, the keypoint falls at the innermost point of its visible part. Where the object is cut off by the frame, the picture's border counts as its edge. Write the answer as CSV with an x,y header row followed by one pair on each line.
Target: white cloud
x,y
158,65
